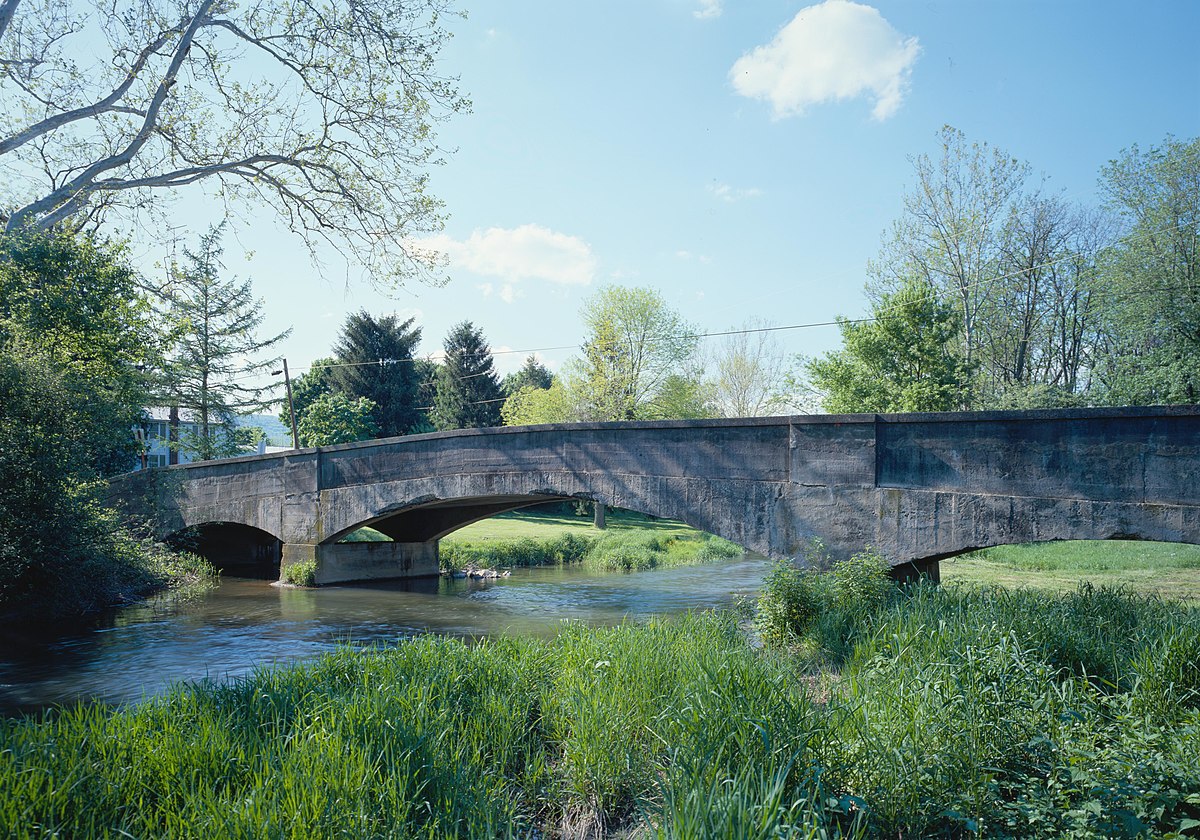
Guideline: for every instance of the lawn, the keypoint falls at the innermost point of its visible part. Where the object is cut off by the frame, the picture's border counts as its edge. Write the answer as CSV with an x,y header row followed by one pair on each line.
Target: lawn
x,y
1167,570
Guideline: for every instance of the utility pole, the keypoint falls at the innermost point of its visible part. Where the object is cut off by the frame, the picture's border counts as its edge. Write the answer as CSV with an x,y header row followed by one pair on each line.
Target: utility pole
x,y
287,379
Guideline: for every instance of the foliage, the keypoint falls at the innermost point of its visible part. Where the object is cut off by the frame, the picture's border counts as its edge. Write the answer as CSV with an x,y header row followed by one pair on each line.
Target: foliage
x,y
332,418
306,389
374,359
1153,275
300,573
681,397
905,358
73,302
468,390
533,374
325,113
634,344
530,406
750,373
213,324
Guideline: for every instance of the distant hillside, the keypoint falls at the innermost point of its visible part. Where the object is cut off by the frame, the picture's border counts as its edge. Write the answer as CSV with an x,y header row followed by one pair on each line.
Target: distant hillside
x,y
277,433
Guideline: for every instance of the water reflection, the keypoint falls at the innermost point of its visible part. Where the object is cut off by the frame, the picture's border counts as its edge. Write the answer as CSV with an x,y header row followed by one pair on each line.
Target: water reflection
x,y
138,651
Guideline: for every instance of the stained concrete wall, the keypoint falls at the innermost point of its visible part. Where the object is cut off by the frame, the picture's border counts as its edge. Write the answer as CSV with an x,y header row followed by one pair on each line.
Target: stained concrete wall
x,y
914,486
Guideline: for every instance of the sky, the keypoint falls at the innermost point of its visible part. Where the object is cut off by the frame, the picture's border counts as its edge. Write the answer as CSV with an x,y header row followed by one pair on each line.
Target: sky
x,y
743,159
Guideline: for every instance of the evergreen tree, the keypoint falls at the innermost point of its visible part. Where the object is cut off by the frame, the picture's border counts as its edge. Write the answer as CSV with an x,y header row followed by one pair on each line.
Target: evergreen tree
x,y
374,359
468,391
214,322
532,375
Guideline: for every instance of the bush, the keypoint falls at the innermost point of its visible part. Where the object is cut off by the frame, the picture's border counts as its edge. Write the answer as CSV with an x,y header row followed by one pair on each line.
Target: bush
x,y
301,573
791,600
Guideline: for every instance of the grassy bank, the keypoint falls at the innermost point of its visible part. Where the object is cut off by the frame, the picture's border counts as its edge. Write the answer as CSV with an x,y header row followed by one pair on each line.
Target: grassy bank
x,y
632,542
1168,570
954,713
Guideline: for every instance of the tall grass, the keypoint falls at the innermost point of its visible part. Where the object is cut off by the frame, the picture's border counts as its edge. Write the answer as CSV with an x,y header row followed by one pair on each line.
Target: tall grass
x,y
615,551
953,713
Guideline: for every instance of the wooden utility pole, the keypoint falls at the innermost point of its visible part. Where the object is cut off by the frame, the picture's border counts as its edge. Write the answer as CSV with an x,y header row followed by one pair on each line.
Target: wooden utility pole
x,y
287,379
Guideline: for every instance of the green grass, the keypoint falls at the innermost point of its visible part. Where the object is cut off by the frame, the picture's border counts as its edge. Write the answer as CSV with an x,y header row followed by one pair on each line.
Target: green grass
x,y
541,525
1167,570
956,713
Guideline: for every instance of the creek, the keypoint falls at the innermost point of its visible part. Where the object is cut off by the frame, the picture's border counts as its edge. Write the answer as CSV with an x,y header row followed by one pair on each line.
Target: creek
x,y
139,651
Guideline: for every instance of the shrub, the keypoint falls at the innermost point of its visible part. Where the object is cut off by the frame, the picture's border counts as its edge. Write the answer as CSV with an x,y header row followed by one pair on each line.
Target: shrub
x,y
301,573
863,582
791,600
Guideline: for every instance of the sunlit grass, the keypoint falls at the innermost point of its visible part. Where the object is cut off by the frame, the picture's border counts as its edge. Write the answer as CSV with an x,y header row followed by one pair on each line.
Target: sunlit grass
x,y
1167,570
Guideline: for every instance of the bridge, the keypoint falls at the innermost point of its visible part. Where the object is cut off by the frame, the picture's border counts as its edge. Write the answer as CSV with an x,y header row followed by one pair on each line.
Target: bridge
x,y
917,487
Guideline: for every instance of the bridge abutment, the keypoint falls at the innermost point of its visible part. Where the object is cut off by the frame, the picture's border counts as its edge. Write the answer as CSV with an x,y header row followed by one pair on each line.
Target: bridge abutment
x,y
360,561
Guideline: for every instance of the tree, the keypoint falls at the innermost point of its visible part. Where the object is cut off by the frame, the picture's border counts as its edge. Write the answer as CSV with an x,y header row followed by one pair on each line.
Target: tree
x,y
1153,275
324,111
209,373
635,342
750,374
468,390
531,406
533,374
905,358
334,418
374,359
949,234
74,301
682,397
73,337
307,388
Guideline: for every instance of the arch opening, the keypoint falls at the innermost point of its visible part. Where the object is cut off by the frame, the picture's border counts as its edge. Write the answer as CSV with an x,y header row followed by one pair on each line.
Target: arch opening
x,y
235,549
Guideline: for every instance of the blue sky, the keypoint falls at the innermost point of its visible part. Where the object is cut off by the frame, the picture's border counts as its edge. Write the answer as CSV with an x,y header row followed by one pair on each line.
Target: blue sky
x,y
742,158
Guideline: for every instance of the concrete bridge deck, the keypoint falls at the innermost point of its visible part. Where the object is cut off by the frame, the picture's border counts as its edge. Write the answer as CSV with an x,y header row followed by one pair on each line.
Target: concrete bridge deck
x,y
917,487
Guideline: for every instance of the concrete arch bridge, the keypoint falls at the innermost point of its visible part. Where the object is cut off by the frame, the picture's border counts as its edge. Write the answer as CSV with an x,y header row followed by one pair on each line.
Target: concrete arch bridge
x,y
917,487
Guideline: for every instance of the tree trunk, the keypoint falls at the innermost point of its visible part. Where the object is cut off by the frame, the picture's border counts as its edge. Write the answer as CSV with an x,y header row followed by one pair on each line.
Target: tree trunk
x,y
598,516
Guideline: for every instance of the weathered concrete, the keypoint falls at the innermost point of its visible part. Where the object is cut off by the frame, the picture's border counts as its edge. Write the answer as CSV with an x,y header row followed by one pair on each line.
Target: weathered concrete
x,y
917,487
338,562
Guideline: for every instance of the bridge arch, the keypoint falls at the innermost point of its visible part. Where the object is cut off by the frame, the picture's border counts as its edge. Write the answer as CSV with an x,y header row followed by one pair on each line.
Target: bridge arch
x,y
231,546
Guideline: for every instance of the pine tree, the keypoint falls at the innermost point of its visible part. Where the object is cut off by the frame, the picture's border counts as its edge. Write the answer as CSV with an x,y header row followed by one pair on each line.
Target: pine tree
x,y
374,359
468,391
214,322
532,375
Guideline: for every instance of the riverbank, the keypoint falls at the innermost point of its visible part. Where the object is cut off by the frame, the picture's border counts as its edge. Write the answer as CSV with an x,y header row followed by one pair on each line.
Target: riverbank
x,y
1165,570
954,713
631,542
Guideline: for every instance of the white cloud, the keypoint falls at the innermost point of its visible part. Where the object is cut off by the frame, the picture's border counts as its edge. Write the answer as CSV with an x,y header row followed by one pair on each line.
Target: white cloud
x,y
708,10
528,252
832,51
731,194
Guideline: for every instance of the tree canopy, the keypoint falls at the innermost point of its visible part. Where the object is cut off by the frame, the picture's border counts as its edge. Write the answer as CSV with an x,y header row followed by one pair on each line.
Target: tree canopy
x,y
373,358
468,390
323,112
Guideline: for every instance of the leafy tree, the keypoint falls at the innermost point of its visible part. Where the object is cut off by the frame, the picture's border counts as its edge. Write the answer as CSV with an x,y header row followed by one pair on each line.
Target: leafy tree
x,y
635,343
468,390
335,418
750,374
1152,276
533,374
307,388
905,359
209,374
74,301
531,406
374,359
949,235
324,111
682,397
73,334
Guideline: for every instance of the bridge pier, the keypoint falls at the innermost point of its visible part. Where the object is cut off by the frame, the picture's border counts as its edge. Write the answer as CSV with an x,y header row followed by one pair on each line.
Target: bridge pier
x,y
358,561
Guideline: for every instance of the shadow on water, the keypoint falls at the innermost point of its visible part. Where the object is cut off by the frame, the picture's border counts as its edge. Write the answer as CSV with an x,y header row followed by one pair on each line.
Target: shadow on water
x,y
138,651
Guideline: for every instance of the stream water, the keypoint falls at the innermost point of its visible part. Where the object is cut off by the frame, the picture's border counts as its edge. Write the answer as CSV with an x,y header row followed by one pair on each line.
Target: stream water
x,y
139,651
